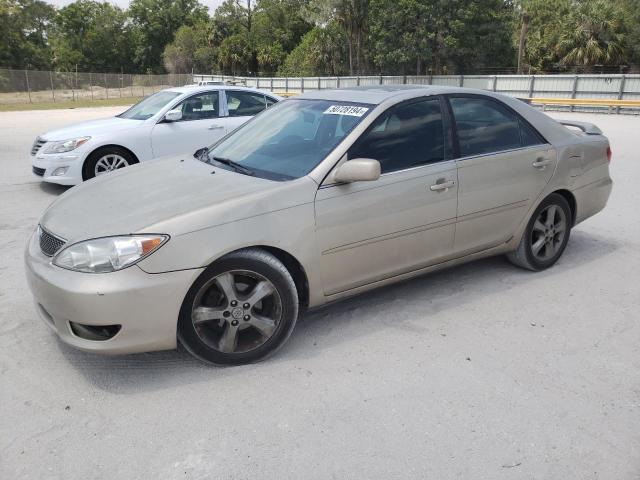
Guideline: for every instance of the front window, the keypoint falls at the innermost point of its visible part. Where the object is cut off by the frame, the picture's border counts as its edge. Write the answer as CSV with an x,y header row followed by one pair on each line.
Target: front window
x,y
405,136
291,138
202,106
149,106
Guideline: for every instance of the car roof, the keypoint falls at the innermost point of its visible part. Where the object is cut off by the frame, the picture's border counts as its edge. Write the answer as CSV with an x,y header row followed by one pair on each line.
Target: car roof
x,y
206,88
377,94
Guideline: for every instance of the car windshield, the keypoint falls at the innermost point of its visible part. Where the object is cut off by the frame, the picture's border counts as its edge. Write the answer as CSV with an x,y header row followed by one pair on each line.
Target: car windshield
x,y
289,139
148,107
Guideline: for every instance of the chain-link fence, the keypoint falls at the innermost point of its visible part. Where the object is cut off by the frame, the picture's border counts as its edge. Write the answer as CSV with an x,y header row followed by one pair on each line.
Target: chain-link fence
x,y
29,86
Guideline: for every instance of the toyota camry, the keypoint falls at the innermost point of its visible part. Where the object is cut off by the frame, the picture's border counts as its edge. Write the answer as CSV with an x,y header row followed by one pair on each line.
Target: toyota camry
x,y
318,198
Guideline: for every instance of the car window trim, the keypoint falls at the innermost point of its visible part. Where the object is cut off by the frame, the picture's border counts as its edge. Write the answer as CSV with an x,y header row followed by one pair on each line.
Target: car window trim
x,y
519,118
451,161
161,119
544,146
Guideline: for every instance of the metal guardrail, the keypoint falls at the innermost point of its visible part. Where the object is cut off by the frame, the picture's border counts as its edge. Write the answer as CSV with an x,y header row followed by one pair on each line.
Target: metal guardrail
x,y
595,103
584,101
570,87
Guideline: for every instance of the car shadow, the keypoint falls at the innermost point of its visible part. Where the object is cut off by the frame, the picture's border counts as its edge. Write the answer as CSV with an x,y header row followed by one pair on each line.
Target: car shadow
x,y
315,333
53,188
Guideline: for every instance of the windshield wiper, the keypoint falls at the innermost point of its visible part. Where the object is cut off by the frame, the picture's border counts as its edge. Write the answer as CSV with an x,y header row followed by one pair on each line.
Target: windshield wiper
x,y
235,165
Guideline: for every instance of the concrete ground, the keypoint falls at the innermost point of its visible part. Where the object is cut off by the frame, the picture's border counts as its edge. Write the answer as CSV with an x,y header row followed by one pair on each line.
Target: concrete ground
x,y
483,371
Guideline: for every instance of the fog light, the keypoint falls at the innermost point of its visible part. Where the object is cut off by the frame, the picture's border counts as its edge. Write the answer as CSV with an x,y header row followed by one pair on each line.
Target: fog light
x,y
59,171
94,332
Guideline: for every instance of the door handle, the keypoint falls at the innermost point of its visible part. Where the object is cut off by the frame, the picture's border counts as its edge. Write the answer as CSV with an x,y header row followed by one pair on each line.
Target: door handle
x,y
440,186
541,163
215,127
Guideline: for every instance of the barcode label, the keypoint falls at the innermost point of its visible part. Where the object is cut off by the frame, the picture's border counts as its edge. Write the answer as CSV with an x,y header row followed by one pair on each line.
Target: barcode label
x,y
346,110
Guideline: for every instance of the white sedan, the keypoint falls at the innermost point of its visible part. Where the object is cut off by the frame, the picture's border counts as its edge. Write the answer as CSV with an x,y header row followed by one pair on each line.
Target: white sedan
x,y
169,122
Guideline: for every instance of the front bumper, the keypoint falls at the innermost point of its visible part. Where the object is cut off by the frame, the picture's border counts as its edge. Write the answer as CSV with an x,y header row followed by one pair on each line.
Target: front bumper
x,y
145,305
44,165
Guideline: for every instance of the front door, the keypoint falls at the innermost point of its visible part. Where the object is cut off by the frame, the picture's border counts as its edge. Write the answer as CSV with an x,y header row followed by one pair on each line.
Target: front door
x,y
200,126
503,167
369,231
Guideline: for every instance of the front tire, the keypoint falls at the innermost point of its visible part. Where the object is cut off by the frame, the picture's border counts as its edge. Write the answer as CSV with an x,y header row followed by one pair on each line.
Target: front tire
x,y
241,309
546,235
105,160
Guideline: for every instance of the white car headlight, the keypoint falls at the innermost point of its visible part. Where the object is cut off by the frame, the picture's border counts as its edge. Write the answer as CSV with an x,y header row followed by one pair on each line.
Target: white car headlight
x,y
65,145
108,254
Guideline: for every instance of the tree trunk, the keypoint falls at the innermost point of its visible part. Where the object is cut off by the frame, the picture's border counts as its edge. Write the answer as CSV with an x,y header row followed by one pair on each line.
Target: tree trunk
x,y
523,40
358,35
350,43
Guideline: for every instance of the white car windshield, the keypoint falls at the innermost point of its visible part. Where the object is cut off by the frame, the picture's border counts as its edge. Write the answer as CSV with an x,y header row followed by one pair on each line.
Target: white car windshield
x,y
289,139
148,107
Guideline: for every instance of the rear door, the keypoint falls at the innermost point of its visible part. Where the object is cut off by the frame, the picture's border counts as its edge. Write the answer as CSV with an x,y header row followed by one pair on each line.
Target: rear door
x,y
405,220
503,166
200,126
241,105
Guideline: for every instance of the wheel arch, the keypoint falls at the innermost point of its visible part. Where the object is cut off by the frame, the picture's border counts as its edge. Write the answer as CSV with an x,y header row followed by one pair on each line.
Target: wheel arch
x,y
111,145
106,147
571,200
514,240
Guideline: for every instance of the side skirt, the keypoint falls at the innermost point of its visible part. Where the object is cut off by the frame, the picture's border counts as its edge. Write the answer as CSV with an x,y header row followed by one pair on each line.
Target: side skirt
x,y
500,249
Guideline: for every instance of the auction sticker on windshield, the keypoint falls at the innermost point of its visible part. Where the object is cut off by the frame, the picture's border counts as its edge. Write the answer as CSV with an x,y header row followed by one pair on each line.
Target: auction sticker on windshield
x,y
346,110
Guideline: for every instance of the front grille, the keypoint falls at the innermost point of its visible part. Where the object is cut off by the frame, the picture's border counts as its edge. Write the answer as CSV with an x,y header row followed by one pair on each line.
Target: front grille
x,y
37,145
38,171
49,244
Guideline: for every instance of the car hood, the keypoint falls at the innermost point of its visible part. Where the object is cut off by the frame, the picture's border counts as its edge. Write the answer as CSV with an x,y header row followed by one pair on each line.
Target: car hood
x,y
91,127
172,196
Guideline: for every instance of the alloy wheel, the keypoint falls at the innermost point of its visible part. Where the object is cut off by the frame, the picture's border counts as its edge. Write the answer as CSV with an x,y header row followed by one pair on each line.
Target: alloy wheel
x,y
548,233
236,311
108,163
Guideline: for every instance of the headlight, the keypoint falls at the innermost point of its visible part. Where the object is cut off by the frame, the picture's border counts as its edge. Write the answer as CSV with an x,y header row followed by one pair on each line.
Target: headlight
x,y
65,145
103,255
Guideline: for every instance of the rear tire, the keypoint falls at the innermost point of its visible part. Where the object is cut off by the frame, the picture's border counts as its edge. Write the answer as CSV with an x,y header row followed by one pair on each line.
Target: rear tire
x,y
241,309
106,159
546,235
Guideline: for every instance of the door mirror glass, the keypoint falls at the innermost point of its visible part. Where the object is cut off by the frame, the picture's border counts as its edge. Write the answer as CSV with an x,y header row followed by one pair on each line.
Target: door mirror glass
x,y
174,115
358,170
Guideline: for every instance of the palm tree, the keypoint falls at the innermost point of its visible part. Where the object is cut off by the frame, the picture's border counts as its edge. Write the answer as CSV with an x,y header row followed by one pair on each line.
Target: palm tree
x,y
593,34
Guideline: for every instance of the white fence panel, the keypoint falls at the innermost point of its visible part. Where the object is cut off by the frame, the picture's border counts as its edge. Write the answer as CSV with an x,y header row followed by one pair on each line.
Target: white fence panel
x,y
478,81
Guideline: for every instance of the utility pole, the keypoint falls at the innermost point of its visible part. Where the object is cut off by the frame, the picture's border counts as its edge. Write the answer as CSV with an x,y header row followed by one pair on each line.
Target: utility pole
x,y
523,39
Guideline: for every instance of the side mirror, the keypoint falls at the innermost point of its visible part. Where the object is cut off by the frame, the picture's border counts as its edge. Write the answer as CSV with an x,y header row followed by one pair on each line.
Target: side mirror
x,y
358,170
201,151
173,115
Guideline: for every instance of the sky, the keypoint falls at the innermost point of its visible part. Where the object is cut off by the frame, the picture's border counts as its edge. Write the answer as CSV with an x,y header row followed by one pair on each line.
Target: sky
x,y
212,4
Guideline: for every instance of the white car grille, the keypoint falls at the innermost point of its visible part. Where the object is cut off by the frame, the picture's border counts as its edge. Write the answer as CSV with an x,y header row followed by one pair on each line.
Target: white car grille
x,y
37,145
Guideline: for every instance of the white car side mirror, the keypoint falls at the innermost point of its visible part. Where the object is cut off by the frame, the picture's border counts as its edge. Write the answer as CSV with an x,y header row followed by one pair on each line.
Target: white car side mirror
x,y
173,115
358,170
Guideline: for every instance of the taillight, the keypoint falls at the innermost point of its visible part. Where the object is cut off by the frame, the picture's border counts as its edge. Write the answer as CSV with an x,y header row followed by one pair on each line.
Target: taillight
x,y
609,154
